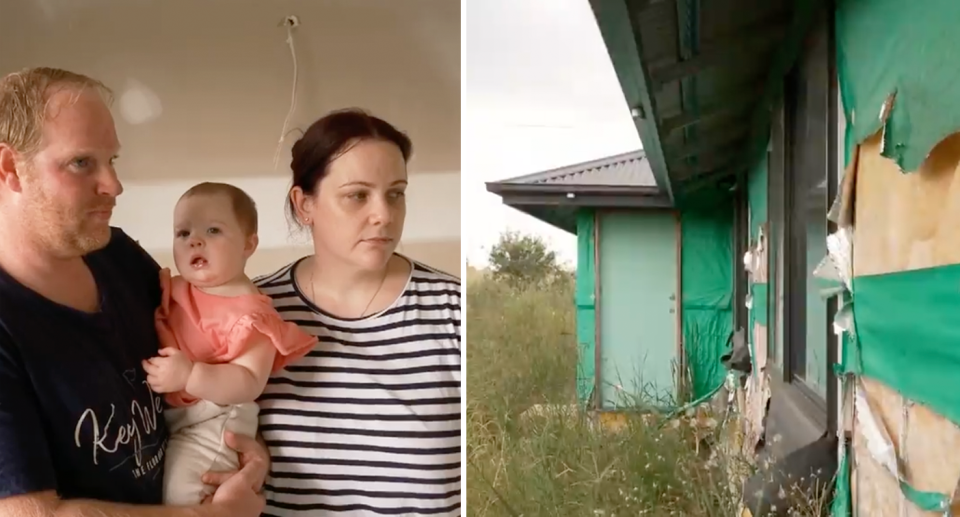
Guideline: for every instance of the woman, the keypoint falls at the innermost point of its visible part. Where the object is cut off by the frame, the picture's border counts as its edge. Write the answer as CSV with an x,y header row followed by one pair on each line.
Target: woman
x,y
369,422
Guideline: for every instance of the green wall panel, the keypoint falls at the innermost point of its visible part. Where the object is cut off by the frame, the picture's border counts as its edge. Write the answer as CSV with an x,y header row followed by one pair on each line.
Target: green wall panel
x,y
586,307
707,269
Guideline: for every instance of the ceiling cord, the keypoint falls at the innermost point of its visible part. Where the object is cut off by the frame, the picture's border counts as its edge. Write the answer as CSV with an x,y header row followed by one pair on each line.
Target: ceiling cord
x,y
290,23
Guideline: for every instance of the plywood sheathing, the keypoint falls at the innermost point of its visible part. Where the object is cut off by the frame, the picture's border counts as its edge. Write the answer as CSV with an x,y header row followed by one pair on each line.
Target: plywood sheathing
x,y
903,222
757,390
753,403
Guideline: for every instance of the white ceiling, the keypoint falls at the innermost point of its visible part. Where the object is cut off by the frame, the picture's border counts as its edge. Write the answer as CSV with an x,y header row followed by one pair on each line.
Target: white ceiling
x,y
222,73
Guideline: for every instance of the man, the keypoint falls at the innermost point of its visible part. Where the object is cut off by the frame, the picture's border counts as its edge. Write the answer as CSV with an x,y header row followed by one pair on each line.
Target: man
x,y
81,434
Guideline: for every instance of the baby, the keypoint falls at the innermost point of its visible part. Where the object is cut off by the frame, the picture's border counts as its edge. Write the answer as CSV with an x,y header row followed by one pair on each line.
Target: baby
x,y
220,338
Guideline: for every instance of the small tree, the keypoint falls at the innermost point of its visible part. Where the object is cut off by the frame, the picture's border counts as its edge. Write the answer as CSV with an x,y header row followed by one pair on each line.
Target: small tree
x,y
523,261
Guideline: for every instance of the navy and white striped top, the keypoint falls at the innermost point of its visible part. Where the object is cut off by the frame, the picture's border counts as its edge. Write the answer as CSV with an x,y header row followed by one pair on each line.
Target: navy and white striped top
x,y
368,423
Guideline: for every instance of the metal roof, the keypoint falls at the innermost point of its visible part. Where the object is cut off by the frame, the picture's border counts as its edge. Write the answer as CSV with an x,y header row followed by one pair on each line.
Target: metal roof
x,y
554,196
623,170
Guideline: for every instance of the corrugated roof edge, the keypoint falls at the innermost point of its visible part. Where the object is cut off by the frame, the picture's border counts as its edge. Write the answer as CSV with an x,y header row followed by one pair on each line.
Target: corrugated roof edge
x,y
599,167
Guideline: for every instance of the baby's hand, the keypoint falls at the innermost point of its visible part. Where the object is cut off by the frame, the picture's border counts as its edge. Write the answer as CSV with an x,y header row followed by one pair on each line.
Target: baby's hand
x,y
168,373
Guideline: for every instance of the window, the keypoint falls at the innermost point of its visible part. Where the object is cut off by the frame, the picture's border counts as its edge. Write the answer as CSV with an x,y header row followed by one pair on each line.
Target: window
x,y
807,175
776,240
802,185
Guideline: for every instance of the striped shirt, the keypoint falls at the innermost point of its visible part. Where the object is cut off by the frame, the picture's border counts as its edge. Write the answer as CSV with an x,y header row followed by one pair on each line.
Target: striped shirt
x,y
368,423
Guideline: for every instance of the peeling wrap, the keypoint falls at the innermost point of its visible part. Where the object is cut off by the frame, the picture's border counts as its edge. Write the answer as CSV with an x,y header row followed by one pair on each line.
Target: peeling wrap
x,y
887,47
916,307
882,451
835,272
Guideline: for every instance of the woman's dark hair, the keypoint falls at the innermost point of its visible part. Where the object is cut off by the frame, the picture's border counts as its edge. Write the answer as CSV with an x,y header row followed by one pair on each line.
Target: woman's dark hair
x,y
330,137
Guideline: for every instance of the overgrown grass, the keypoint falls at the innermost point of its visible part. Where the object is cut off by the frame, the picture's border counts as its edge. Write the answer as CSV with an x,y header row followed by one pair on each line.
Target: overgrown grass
x,y
525,460
522,352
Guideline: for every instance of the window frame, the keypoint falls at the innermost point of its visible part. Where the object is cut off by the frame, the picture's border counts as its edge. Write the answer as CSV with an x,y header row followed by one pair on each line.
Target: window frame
x,y
787,345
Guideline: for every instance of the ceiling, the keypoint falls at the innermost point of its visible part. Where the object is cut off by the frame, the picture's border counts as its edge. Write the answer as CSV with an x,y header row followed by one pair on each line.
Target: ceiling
x,y
221,72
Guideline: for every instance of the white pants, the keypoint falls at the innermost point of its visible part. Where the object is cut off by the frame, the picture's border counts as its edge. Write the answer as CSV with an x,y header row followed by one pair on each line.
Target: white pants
x,y
197,446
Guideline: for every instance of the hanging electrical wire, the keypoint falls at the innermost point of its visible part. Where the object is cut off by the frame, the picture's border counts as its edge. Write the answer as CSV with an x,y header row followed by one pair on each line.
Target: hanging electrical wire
x,y
290,22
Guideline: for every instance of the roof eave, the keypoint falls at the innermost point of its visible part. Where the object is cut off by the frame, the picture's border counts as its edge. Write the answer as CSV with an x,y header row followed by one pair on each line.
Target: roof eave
x,y
554,216
596,196
613,19
564,188
552,174
721,159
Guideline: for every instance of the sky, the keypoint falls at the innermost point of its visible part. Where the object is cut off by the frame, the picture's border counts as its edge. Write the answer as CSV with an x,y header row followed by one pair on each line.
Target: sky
x,y
540,93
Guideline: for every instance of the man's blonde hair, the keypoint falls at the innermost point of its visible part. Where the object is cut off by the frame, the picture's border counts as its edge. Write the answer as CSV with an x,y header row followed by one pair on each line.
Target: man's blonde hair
x,y
24,96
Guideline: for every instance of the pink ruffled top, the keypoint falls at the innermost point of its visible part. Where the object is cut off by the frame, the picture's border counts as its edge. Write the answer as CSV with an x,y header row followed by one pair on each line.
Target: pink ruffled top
x,y
215,329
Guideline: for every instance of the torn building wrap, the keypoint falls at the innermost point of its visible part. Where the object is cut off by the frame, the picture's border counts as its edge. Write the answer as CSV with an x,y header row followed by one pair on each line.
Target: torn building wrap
x,y
906,334
893,48
836,275
881,449
707,291
902,334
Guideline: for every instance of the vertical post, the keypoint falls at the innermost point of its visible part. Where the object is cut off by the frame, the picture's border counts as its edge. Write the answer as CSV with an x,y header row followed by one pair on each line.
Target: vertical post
x,y
678,306
598,391
834,158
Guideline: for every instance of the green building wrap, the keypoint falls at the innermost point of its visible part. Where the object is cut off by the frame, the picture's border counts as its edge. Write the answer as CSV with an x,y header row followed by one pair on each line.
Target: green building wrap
x,y
895,76
895,48
707,290
586,307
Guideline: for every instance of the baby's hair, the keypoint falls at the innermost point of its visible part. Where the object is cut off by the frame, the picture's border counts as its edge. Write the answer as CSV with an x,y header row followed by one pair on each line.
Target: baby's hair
x,y
243,206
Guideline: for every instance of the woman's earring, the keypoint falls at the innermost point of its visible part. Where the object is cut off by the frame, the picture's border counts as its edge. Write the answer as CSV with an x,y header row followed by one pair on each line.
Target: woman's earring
x,y
306,220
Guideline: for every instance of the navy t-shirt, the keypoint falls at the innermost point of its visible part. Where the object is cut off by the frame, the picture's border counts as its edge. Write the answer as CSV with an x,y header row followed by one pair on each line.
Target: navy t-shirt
x,y
76,414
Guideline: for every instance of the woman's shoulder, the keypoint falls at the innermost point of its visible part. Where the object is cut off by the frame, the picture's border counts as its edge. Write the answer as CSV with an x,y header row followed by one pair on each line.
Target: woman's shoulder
x,y
432,287
422,273
279,278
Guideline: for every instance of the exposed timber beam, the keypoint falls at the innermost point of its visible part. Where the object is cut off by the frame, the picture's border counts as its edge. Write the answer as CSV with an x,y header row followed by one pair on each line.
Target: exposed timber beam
x,y
717,109
707,143
759,38
702,181
707,164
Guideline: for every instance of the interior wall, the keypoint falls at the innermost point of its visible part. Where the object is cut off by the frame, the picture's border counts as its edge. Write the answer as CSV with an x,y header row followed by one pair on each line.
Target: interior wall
x,y
905,222
202,90
431,229
439,255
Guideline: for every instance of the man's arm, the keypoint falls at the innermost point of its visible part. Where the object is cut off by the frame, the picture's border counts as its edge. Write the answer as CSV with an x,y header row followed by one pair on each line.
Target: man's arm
x,y
234,498
47,504
251,452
